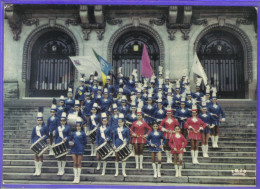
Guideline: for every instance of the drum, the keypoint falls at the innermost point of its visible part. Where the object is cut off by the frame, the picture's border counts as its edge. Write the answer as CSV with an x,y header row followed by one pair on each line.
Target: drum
x,y
39,147
71,121
92,135
104,150
60,149
123,152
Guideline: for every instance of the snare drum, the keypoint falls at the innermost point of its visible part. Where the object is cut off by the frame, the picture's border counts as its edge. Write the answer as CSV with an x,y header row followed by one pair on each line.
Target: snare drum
x,y
123,152
104,150
92,135
71,121
60,149
39,147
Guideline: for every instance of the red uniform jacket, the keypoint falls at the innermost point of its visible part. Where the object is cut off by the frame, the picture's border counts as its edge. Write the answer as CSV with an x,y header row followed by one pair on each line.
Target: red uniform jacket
x,y
196,126
139,129
177,143
169,125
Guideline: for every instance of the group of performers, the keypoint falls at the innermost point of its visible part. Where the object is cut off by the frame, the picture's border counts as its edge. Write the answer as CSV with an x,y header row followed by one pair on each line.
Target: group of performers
x,y
129,115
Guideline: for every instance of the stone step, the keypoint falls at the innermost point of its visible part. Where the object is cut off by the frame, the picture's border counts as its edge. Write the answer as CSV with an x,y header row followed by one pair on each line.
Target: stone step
x,y
130,171
136,178
87,150
186,164
146,158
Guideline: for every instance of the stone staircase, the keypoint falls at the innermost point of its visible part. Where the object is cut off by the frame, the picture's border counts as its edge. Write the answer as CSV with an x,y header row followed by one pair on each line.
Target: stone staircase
x,y
237,150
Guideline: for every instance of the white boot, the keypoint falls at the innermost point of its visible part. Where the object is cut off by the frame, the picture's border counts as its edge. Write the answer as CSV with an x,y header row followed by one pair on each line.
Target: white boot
x,y
213,141
154,170
136,162
91,150
123,169
104,168
184,150
78,177
203,150
167,155
36,168
94,151
196,157
180,168
216,141
75,170
116,166
98,165
39,168
159,170
177,171
51,153
206,150
141,161
59,167
192,156
170,157
63,164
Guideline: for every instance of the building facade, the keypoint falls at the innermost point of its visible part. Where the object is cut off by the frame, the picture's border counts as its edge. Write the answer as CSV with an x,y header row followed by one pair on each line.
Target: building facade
x,y
38,40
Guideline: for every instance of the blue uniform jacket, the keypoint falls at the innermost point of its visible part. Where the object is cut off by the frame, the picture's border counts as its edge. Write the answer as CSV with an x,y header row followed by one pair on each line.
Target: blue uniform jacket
x,y
91,126
80,140
124,110
150,111
182,113
66,135
88,107
80,93
155,138
99,139
52,123
218,111
60,109
117,141
69,103
160,114
44,132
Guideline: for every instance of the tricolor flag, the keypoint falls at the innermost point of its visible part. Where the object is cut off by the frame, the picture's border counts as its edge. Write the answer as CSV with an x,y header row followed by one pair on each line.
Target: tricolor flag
x,y
146,69
198,69
105,67
85,64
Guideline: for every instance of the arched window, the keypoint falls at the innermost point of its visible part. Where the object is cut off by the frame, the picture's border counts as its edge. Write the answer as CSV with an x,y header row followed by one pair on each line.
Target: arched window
x,y
51,68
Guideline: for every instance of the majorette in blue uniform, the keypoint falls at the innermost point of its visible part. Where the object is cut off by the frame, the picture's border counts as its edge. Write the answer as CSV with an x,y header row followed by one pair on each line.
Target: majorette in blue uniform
x,y
131,117
98,96
139,97
69,102
79,94
94,87
197,95
159,94
111,88
52,124
39,131
105,102
160,112
124,108
77,142
182,114
144,94
169,100
119,97
177,96
149,110
62,107
156,140
206,118
113,122
207,96
217,115
62,134
103,135
77,111
88,103
121,136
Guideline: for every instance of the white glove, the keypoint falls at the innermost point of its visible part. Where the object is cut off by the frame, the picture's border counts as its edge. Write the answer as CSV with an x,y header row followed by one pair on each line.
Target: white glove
x,y
163,129
201,128
223,119
190,127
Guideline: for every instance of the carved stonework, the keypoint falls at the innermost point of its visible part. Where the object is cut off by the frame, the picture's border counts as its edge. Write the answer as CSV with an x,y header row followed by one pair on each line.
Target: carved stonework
x,y
171,33
243,21
158,22
185,33
30,21
100,33
241,35
114,21
73,22
86,33
177,26
203,22
16,29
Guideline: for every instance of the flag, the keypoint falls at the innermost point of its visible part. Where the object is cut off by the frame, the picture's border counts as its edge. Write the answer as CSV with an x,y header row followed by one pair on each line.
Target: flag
x,y
85,64
198,69
146,69
105,67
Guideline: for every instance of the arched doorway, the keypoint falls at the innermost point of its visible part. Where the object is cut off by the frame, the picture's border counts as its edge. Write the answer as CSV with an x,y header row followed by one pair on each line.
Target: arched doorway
x,y
127,52
222,57
51,68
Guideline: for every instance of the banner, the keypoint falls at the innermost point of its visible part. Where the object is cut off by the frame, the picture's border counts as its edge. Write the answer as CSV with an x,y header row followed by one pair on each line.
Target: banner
x,y
198,69
146,69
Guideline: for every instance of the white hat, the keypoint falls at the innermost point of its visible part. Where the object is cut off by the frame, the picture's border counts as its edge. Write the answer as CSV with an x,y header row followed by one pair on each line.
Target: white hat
x,y
79,120
121,116
82,80
108,77
63,115
69,90
62,98
76,103
104,115
114,106
95,106
139,111
120,90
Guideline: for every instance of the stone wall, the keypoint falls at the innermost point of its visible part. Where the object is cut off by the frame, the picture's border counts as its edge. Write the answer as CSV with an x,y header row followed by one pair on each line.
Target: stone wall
x,y
11,90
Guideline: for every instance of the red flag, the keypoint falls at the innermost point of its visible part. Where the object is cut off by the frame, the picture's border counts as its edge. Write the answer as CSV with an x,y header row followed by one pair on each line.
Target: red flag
x,y
146,69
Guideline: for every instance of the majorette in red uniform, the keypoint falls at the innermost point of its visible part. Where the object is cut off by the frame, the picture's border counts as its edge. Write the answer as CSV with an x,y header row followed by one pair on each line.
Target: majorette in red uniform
x,y
137,131
167,127
194,125
177,144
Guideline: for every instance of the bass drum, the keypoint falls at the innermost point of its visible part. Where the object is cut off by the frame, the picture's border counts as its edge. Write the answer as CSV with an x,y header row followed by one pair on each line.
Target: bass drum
x,y
71,121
